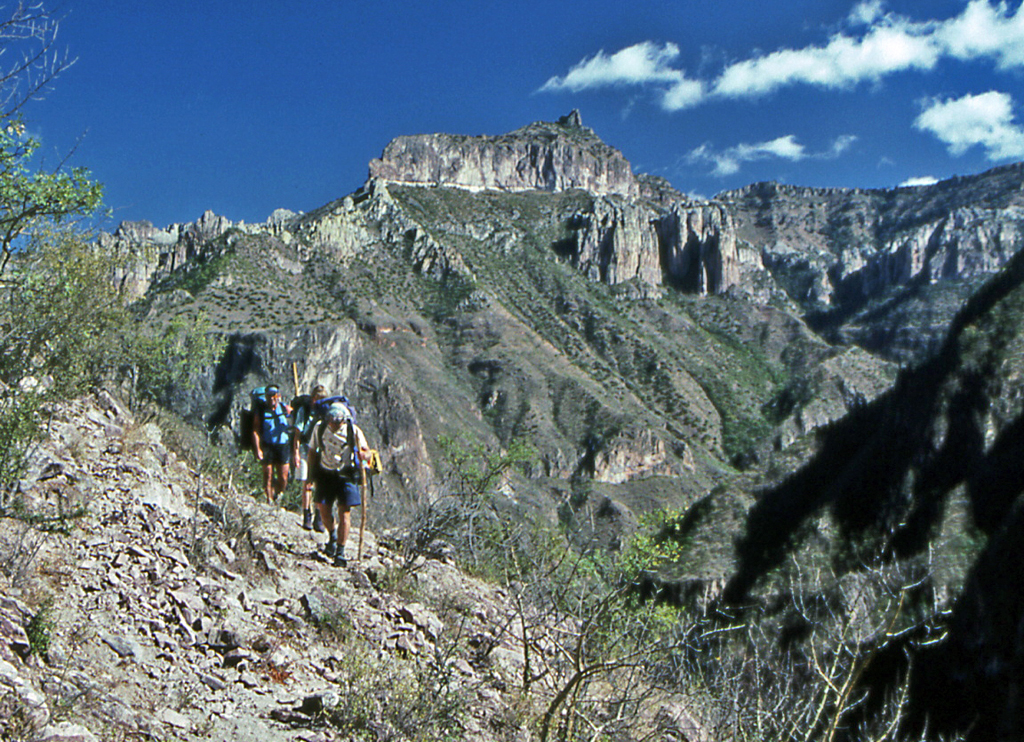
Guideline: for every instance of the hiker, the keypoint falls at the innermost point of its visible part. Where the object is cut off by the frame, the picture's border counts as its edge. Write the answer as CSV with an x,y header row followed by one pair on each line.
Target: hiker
x,y
337,452
304,419
272,443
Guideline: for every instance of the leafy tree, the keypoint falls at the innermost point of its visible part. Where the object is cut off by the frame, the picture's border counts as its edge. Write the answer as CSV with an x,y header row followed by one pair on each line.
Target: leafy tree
x,y
63,317
29,196
66,328
156,361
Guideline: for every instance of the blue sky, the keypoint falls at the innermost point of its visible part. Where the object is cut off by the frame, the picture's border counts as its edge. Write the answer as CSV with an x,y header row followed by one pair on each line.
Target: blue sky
x,y
179,107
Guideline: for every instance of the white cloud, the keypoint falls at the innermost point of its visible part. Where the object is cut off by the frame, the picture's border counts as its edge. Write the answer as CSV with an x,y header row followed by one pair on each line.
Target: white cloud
x,y
841,144
729,161
646,63
683,94
984,30
886,44
923,180
844,61
984,120
866,13
634,65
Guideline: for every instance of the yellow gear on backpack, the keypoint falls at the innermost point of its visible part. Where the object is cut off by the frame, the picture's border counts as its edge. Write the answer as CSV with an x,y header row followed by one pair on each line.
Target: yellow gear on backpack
x,y
374,465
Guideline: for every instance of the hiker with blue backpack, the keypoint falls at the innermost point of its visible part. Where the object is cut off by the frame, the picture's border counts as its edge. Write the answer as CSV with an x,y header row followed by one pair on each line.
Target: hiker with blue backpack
x,y
337,454
271,437
304,418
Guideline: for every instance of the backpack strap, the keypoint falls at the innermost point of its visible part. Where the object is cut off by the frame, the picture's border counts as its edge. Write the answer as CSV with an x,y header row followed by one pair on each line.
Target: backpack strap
x,y
318,433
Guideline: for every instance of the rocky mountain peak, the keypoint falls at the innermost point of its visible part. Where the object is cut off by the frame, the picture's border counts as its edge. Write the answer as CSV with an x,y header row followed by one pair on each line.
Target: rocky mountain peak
x,y
573,119
545,156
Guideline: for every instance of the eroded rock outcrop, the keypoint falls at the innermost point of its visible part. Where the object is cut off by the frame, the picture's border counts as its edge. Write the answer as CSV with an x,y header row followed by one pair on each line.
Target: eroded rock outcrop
x,y
636,230
157,253
966,243
542,156
616,242
636,454
689,245
699,248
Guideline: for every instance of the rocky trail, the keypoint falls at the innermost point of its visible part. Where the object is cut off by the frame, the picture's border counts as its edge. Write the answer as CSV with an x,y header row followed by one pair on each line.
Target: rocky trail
x,y
175,611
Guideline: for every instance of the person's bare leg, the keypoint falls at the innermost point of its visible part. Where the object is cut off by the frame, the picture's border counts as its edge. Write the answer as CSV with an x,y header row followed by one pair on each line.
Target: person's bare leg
x,y
282,480
268,485
318,520
345,516
344,526
326,515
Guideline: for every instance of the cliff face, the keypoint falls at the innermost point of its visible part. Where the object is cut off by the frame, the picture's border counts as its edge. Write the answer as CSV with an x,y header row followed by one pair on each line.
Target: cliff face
x,y
160,252
635,230
833,251
629,230
839,252
687,245
542,156
860,243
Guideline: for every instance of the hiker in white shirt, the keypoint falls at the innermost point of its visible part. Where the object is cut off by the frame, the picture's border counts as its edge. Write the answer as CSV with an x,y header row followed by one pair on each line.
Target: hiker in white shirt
x,y
337,452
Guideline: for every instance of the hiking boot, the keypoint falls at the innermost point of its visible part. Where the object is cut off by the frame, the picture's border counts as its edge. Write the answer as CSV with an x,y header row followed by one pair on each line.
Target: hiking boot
x,y
339,558
307,520
318,522
331,548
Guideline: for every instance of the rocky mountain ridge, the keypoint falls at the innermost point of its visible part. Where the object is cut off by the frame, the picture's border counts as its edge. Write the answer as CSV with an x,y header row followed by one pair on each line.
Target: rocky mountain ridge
x,y
434,288
840,252
833,252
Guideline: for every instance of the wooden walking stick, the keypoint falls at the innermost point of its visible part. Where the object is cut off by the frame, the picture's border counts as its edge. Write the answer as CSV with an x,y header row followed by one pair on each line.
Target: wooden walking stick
x,y
362,509
295,378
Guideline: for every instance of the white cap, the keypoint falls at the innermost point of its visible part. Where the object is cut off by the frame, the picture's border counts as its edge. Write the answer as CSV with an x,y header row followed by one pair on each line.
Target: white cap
x,y
338,411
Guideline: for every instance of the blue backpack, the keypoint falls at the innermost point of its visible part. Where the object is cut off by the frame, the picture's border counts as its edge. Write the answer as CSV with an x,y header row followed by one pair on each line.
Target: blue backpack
x,y
320,408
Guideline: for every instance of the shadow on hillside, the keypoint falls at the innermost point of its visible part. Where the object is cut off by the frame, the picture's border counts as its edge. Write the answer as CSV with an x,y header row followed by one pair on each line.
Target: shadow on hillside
x,y
974,677
242,357
890,467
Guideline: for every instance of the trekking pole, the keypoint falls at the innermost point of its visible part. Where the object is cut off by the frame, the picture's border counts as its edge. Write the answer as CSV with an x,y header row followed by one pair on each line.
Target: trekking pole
x,y
295,378
362,511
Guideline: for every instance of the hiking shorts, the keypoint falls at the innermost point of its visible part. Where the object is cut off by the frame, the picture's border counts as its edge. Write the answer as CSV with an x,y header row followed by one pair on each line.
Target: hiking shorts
x,y
331,487
276,453
302,470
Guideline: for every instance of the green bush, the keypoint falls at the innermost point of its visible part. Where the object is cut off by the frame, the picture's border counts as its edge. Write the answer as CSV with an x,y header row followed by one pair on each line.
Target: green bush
x,y
67,329
389,698
39,629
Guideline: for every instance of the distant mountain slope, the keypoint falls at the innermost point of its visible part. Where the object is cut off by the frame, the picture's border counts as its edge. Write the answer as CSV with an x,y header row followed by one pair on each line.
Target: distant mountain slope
x,y
455,314
886,269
